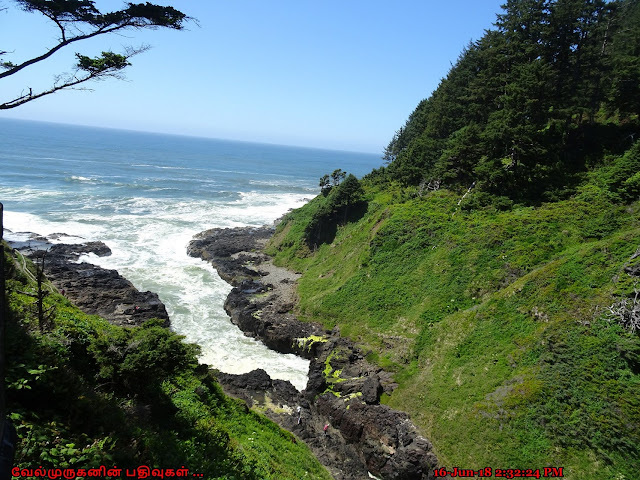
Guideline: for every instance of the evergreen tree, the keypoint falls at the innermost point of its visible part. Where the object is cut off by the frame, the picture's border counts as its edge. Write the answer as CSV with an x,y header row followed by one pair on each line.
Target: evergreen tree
x,y
573,49
529,105
622,41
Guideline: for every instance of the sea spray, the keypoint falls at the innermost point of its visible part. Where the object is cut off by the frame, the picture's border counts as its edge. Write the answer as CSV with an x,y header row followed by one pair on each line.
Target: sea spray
x,y
146,196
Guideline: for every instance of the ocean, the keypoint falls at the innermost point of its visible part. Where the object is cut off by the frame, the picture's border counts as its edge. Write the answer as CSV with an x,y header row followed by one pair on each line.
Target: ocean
x,y
146,195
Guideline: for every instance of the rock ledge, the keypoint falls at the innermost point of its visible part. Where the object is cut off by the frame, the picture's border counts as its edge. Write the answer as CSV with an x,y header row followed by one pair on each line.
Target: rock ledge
x,y
343,391
95,290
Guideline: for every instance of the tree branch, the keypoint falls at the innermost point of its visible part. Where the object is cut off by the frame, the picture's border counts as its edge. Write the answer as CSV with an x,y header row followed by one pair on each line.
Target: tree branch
x,y
83,12
109,64
44,56
80,20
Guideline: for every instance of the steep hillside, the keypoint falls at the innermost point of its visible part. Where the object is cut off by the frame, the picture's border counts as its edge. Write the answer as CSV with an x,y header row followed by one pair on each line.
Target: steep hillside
x,y
495,322
493,264
84,393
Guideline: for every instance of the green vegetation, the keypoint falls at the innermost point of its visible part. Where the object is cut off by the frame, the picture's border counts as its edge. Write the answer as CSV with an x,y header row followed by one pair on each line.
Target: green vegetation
x,y
484,261
339,203
86,393
531,106
492,320
481,265
306,343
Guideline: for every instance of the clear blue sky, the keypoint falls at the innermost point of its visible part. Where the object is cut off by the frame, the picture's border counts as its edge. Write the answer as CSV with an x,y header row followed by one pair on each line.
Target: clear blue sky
x,y
330,74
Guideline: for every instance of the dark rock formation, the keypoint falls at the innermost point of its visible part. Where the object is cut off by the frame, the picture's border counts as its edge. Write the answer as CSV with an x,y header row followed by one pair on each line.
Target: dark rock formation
x,y
264,319
75,250
282,403
220,246
263,295
343,390
387,442
93,289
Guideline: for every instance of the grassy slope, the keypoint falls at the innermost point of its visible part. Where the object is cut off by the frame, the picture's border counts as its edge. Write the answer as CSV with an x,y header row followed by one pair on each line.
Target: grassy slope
x,y
87,393
490,321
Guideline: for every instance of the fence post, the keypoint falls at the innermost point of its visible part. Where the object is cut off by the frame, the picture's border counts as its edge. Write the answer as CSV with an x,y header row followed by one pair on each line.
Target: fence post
x,y
3,323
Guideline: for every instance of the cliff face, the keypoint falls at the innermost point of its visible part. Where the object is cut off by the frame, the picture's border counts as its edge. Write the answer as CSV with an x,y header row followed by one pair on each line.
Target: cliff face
x,y
344,389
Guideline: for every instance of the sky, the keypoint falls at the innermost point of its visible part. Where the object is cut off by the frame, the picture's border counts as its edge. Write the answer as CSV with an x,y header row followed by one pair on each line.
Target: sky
x,y
335,74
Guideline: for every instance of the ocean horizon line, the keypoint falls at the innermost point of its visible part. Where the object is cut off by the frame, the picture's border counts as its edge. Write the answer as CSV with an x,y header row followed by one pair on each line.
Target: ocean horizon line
x,y
185,135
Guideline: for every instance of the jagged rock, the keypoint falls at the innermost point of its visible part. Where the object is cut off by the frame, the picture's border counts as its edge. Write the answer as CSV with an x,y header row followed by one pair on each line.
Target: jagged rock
x,y
255,380
390,444
343,389
371,389
75,250
224,242
219,246
237,256
260,319
282,403
96,290
340,366
253,387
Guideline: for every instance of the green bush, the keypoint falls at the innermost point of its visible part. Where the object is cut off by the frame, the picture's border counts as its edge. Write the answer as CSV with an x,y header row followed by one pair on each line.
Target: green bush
x,y
621,175
630,189
88,393
138,360
343,203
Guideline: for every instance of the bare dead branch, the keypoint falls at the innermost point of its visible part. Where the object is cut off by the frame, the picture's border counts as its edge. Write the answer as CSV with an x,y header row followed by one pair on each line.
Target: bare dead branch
x,y
626,312
466,193
430,186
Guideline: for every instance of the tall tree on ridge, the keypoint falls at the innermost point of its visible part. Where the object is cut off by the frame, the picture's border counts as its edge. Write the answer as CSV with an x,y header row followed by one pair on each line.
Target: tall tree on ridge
x,y
623,92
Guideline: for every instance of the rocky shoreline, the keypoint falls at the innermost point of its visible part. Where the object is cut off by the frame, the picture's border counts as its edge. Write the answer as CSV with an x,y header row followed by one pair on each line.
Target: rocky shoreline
x,y
95,290
363,437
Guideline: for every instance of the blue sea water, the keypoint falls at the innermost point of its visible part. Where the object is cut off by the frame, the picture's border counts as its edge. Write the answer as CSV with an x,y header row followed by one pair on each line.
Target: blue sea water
x,y
145,195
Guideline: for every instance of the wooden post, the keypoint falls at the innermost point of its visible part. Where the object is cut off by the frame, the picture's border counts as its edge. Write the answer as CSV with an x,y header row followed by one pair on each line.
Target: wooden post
x,y
3,323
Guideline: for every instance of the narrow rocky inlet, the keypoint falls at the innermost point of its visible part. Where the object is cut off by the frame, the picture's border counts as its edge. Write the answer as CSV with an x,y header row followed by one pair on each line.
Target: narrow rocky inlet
x,y
339,414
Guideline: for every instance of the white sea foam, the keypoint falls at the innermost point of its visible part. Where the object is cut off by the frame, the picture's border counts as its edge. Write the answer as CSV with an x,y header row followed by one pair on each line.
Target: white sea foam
x,y
194,295
75,231
148,238
146,200
25,194
76,178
